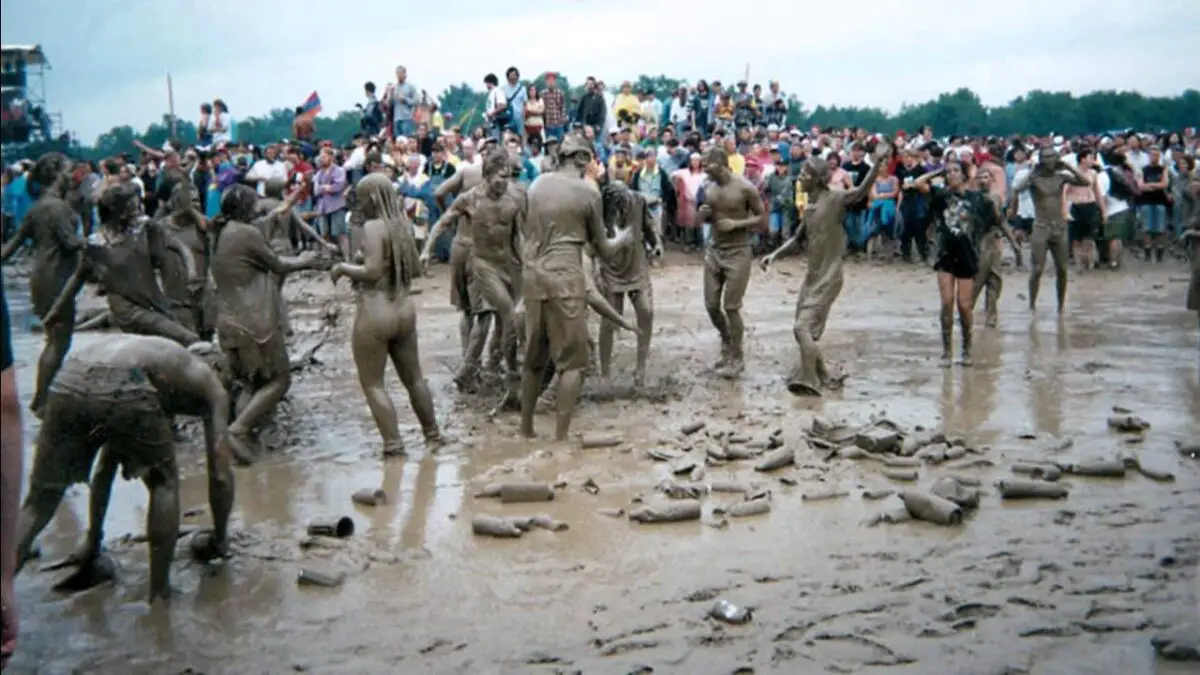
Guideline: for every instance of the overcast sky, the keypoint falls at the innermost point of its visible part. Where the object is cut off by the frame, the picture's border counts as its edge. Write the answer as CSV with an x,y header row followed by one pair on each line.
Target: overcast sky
x,y
111,57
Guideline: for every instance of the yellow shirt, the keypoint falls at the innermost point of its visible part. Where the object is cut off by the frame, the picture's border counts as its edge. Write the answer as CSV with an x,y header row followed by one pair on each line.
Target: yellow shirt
x,y
628,103
801,200
437,121
737,164
454,159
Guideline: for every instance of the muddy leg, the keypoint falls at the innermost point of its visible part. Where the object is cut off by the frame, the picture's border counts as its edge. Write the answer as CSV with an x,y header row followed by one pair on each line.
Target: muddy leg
x,y
714,285
734,292
465,323
995,284
534,365
805,378
101,492
162,528
946,293
570,383
643,307
39,507
285,323
965,293
370,359
406,358
617,300
470,367
58,343
220,489
1037,256
1059,251
262,402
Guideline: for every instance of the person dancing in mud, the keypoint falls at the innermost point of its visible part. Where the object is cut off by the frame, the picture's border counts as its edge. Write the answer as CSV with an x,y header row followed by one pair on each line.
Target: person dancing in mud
x,y
822,219
991,255
57,254
115,397
565,215
732,206
628,275
1046,183
249,326
961,217
385,321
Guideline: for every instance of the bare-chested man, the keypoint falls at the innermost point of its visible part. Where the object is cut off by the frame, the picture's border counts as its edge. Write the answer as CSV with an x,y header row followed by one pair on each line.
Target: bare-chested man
x,y
732,206
822,219
191,296
116,396
491,215
57,250
628,274
565,215
1046,183
990,254
385,324
244,271
135,249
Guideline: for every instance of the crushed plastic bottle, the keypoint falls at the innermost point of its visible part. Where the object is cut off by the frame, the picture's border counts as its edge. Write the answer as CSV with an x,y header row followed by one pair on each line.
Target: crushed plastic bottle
x,y
726,611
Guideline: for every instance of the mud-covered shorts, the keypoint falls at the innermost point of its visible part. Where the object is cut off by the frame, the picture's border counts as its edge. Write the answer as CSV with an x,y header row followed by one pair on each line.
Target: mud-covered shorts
x,y
460,277
488,283
728,268
251,360
91,405
556,331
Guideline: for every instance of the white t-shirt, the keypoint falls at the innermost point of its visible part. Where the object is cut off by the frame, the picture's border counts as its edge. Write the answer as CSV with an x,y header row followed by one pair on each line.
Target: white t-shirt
x,y
264,171
1113,206
495,99
1025,199
226,135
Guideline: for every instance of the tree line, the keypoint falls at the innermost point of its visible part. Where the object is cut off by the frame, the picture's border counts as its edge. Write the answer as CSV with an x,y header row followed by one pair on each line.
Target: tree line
x,y
960,112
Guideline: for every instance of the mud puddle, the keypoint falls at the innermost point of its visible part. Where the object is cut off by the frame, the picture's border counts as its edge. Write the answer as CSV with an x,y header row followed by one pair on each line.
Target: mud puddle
x,y
1071,586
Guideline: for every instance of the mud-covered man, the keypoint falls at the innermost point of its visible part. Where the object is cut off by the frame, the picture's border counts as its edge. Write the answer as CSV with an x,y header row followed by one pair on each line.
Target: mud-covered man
x,y
822,220
565,215
732,206
115,398
990,253
628,274
57,250
492,215
249,326
190,296
1046,183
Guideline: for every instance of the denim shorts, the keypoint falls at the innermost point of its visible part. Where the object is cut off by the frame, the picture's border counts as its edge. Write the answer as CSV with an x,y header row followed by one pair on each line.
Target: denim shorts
x,y
332,224
1153,217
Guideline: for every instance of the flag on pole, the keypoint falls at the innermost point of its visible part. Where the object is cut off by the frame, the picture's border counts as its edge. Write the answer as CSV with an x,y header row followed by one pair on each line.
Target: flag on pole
x,y
311,106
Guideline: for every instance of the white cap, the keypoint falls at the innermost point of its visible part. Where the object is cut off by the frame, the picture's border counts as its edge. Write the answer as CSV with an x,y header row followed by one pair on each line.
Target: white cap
x,y
772,127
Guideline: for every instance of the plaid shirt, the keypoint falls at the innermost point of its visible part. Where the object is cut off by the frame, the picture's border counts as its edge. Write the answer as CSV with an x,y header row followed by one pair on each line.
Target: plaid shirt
x,y
556,108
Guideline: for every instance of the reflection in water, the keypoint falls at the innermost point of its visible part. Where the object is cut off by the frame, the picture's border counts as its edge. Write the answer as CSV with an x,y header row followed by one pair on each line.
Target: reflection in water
x,y
412,534
1045,382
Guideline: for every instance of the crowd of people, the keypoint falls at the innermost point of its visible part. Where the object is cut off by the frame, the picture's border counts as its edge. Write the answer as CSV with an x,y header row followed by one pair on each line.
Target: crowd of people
x,y
194,240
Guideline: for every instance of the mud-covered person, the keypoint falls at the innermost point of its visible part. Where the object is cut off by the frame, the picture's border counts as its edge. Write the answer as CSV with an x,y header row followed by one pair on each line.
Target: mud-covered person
x,y
249,319
732,206
1191,240
12,451
111,405
564,216
190,296
57,254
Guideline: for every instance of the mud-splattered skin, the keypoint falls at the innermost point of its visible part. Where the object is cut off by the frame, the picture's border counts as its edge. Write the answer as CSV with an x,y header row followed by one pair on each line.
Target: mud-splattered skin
x,y
1046,181
492,214
136,250
822,219
276,219
244,271
628,275
385,323
990,255
190,296
50,225
564,216
732,206
119,393
464,179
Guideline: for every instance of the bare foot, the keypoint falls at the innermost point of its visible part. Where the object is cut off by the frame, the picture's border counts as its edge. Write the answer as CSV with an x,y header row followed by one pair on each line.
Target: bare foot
x,y
394,449
967,362
947,361
91,573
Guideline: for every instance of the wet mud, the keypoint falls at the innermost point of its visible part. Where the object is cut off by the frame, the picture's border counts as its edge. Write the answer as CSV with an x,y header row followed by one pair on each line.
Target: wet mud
x,y
1093,582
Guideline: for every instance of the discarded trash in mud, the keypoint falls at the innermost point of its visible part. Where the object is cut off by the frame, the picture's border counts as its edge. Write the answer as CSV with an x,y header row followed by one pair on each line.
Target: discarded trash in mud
x,y
202,548
332,527
931,508
1030,489
1097,469
1154,468
663,454
1190,450
823,494
726,611
495,526
675,490
776,459
692,427
895,512
667,512
311,577
589,441
953,490
369,497
517,493
875,494
745,509
1179,643
1127,424
1046,472
902,475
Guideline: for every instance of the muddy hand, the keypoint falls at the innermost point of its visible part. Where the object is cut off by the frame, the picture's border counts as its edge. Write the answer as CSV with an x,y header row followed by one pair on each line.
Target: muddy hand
x,y
764,264
335,273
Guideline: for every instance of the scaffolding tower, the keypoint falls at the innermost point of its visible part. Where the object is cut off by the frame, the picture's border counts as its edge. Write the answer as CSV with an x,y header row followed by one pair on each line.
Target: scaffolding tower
x,y
26,117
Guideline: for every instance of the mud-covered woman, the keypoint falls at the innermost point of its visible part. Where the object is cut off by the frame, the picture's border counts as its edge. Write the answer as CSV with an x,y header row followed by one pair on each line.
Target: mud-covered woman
x,y
244,271
385,323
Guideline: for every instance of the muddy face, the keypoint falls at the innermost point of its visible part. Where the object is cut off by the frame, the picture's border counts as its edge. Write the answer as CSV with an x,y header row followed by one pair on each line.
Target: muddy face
x,y
1047,159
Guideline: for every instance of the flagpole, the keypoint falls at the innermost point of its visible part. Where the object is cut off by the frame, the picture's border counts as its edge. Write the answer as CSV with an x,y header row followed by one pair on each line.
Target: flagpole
x,y
171,108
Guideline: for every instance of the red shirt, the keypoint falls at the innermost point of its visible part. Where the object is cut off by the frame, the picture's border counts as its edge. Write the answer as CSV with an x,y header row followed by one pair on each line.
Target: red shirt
x,y
305,170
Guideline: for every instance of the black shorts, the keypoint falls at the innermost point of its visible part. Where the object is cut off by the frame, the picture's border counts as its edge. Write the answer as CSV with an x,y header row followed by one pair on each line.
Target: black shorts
x,y
1023,224
1086,222
957,257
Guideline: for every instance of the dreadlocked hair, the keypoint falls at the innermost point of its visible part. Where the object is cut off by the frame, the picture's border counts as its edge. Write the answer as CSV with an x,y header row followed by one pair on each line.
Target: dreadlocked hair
x,y
616,198
378,200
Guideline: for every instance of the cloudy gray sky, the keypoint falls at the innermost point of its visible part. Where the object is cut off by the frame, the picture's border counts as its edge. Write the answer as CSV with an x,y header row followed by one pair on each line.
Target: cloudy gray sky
x,y
111,57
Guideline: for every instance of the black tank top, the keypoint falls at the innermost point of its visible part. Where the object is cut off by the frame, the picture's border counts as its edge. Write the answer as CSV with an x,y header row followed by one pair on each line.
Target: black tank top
x,y
1153,174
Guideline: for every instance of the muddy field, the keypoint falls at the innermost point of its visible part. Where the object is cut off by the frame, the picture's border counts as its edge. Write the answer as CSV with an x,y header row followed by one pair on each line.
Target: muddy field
x,y
1053,587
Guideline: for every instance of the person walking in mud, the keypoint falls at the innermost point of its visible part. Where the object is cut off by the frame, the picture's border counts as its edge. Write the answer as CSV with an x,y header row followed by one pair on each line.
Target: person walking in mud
x,y
565,215
133,250
385,322
249,325
57,254
111,405
962,217
822,221
628,275
991,255
732,206
492,215
1046,183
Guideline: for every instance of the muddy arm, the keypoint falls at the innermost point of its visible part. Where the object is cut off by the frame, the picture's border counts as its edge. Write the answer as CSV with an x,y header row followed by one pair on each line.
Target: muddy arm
x,y
78,277
1074,175
597,232
448,216
201,377
265,258
163,243
787,247
922,183
1022,185
600,304
754,206
860,191
519,226
452,186
13,245
298,222
372,267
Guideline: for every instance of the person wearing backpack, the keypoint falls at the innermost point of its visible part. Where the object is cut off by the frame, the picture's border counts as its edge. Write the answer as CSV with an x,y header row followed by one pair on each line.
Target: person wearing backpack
x,y
372,120
1117,185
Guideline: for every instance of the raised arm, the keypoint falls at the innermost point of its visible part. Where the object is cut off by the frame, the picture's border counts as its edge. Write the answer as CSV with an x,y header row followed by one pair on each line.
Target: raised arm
x,y
457,208
451,187
1074,175
373,264
650,230
261,255
922,184
879,160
